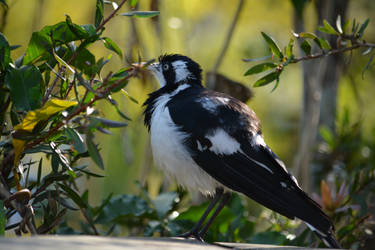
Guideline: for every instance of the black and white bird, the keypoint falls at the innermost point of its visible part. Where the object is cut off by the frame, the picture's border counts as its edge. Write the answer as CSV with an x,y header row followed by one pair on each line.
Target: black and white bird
x,y
211,142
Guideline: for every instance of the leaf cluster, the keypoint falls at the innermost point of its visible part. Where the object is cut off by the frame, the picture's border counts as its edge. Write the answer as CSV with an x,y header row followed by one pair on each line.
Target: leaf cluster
x,y
347,40
48,112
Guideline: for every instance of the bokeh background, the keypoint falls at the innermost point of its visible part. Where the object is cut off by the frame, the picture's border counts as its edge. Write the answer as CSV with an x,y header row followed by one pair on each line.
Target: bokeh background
x,y
197,29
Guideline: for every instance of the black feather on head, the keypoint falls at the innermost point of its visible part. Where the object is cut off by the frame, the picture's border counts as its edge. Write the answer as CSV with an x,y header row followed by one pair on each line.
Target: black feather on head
x,y
192,66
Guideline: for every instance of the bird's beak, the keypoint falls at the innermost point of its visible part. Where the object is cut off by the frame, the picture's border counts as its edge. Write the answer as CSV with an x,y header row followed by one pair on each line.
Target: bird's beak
x,y
154,68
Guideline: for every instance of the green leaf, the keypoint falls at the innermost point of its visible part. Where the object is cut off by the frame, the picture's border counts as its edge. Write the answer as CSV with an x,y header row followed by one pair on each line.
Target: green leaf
x,y
111,45
76,139
289,49
260,68
273,46
4,52
85,62
123,205
327,136
142,14
327,28
25,87
306,47
73,195
324,43
163,203
39,171
363,27
99,13
62,159
133,3
38,49
338,24
110,123
93,150
79,31
3,219
267,79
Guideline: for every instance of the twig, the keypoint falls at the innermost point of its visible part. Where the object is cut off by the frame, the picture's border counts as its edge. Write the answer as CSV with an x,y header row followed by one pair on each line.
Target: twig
x,y
110,16
229,35
78,111
50,88
334,51
89,221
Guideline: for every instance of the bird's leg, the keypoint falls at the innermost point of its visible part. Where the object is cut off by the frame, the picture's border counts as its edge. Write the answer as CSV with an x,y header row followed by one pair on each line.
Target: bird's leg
x,y
224,201
195,230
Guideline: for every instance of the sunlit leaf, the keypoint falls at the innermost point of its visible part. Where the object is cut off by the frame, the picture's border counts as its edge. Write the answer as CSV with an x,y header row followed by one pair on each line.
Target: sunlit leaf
x,y
324,43
133,3
18,146
260,68
289,49
267,79
273,46
142,14
51,107
338,24
327,28
111,45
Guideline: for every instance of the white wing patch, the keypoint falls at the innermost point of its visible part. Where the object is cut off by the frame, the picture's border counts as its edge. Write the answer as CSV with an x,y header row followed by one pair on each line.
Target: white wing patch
x,y
212,104
222,143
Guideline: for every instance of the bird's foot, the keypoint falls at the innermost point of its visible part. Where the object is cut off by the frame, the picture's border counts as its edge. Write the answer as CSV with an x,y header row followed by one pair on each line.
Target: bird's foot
x,y
192,234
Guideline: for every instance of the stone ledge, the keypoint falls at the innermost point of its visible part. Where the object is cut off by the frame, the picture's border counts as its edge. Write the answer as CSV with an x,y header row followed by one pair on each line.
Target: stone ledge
x,y
60,242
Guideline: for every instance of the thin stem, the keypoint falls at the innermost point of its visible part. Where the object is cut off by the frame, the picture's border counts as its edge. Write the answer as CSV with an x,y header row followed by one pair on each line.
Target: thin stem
x,y
50,88
78,111
229,35
334,51
110,16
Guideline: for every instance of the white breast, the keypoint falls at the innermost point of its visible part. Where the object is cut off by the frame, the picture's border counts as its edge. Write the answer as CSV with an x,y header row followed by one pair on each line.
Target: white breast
x,y
172,156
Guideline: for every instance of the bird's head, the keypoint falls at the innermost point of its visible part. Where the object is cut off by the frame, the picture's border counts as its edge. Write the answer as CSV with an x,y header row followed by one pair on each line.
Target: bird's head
x,y
174,69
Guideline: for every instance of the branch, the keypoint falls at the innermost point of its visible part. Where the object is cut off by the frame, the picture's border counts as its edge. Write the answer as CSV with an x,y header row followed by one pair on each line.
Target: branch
x,y
110,16
82,108
334,51
229,36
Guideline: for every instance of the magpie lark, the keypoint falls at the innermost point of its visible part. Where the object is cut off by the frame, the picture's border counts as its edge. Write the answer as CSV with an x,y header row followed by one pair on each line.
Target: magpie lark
x,y
211,142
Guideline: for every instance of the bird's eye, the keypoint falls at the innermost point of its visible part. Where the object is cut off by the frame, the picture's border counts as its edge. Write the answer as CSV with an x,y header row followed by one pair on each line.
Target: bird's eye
x,y
165,67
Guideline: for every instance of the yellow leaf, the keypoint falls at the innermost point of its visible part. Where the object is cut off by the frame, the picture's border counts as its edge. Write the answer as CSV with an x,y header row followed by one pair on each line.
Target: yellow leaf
x,y
34,116
18,146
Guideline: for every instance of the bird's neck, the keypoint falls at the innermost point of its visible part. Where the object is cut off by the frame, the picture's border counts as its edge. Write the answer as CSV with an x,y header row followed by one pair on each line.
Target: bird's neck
x,y
168,91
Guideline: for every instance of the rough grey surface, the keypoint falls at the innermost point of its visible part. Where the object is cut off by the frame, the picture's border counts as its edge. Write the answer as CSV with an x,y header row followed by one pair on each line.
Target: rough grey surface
x,y
60,242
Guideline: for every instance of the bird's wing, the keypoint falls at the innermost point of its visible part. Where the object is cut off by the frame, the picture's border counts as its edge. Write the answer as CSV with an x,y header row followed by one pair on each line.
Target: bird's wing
x,y
225,141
